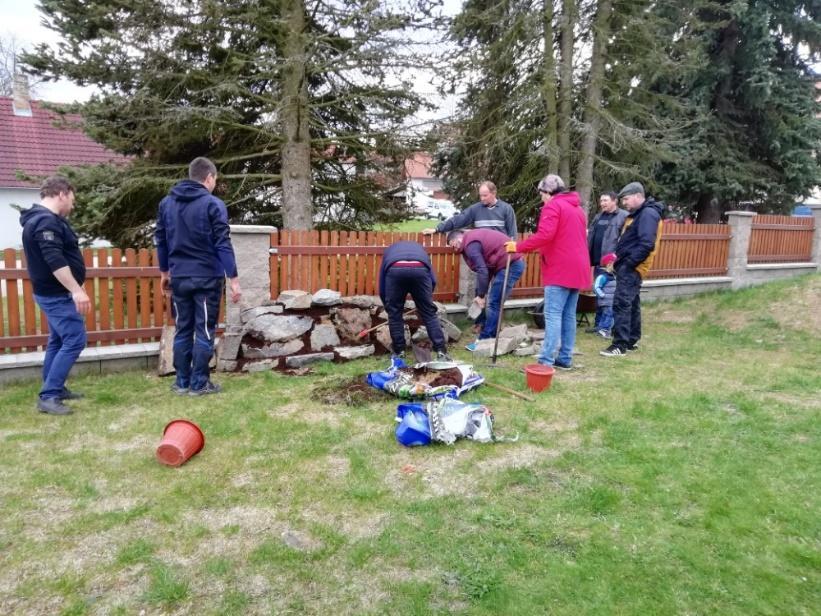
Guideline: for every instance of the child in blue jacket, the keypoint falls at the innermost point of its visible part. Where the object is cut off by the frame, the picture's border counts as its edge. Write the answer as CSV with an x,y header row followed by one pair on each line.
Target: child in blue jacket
x,y
605,288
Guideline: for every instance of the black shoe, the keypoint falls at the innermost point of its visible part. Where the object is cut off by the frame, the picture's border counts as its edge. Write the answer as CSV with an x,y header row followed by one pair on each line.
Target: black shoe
x,y
71,395
442,356
632,347
177,389
613,351
563,366
53,406
210,388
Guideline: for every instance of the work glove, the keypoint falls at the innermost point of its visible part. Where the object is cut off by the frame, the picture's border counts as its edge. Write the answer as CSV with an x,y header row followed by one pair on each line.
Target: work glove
x,y
510,246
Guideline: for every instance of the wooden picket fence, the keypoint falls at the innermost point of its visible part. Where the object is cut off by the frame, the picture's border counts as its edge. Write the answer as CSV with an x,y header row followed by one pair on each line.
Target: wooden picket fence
x,y
129,307
781,239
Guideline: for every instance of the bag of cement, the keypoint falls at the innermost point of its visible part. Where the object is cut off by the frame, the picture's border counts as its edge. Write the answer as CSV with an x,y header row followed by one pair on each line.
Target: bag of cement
x,y
451,419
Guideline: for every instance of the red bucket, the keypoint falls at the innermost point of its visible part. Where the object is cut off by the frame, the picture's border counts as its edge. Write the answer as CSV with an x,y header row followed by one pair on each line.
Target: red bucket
x,y
181,440
539,376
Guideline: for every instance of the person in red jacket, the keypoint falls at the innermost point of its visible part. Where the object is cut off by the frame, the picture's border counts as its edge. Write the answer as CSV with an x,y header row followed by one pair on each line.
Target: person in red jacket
x,y
561,239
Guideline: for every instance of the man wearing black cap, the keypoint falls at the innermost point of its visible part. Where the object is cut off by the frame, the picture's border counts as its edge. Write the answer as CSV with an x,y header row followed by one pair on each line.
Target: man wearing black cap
x,y
634,256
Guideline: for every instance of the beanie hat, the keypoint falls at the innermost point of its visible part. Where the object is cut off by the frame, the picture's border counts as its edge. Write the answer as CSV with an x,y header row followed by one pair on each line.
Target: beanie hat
x,y
607,259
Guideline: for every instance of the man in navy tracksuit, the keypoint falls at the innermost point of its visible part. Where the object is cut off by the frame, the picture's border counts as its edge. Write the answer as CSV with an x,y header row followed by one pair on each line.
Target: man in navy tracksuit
x,y
406,268
57,272
195,253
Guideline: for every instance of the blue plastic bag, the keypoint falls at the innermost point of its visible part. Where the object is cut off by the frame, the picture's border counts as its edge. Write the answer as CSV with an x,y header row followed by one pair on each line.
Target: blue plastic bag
x,y
414,427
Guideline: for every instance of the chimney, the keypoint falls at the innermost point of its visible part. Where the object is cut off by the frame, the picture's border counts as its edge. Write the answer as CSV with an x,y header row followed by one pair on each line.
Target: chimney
x,y
21,103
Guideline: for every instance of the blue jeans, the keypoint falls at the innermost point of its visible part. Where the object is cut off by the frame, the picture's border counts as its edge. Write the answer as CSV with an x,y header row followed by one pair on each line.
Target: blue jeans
x,y
604,318
560,325
66,340
197,304
494,303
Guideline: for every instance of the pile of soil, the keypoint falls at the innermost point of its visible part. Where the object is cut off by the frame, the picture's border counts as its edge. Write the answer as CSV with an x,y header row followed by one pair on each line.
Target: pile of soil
x,y
435,378
353,392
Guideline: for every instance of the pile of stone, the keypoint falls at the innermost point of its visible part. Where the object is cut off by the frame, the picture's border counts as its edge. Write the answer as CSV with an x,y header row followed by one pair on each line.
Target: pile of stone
x,y
518,339
301,328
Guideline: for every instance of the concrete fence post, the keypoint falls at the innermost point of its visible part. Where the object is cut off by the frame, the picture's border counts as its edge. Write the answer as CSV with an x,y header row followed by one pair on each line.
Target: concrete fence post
x,y
741,226
816,238
467,283
251,244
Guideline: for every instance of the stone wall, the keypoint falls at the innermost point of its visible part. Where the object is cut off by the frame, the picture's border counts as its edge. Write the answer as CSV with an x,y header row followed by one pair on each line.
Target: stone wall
x,y
299,328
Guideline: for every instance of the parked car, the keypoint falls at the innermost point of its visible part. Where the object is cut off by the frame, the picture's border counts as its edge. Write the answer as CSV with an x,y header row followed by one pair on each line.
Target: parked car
x,y
441,209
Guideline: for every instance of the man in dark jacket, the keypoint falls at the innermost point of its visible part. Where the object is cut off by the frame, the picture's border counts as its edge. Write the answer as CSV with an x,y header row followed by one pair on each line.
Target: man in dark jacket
x,y
634,256
57,272
484,252
602,237
406,268
195,253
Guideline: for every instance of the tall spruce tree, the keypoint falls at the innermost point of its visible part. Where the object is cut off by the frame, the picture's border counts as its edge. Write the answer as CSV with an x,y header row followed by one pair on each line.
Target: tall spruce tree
x,y
298,102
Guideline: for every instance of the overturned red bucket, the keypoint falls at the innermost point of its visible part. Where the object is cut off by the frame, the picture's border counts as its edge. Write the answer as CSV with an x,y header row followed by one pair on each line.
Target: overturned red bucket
x,y
181,440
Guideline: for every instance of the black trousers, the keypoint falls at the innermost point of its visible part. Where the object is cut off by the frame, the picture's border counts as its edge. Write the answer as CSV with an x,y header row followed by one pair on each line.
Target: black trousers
x,y
399,281
627,308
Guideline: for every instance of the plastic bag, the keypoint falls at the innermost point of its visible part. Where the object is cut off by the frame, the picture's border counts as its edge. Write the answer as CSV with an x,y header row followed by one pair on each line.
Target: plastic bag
x,y
414,427
404,385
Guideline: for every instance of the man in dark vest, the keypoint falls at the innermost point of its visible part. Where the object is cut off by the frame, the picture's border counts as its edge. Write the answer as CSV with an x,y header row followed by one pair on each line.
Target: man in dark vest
x,y
484,252
406,268
57,271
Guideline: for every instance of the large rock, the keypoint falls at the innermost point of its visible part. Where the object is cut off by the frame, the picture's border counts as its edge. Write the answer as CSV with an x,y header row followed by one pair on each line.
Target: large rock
x,y
355,352
441,311
327,297
253,313
527,350
452,332
229,347
166,362
517,333
484,348
535,334
279,328
323,336
383,336
297,361
362,301
350,322
225,365
260,366
274,349
295,300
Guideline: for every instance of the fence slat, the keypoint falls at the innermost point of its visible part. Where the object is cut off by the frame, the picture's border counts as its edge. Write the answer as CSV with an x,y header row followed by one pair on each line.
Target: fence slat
x,y
144,297
12,294
131,292
117,294
104,290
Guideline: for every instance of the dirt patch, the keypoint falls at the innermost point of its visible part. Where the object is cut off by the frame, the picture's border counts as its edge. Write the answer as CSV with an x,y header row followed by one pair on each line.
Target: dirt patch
x,y
316,415
435,378
353,392
352,524
671,316
801,310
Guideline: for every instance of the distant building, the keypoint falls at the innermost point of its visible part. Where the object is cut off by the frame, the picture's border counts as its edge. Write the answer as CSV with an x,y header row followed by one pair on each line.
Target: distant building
x,y
421,191
36,142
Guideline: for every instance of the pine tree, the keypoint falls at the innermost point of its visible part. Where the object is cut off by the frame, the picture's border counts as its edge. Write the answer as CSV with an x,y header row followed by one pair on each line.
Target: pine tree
x,y
299,103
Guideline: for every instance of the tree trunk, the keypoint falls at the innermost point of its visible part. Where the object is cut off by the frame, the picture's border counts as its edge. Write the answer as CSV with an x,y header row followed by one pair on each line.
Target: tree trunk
x,y
592,108
568,22
708,210
549,88
297,209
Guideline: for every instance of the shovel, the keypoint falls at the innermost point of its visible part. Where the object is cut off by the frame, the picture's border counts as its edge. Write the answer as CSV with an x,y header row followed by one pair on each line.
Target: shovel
x,y
501,310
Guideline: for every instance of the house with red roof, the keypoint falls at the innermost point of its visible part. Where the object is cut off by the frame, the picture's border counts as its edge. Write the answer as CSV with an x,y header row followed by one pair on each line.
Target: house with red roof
x,y
36,142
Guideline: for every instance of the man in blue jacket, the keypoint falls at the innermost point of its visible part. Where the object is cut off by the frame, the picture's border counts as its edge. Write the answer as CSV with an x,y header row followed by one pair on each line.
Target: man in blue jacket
x,y
406,268
195,253
634,255
57,272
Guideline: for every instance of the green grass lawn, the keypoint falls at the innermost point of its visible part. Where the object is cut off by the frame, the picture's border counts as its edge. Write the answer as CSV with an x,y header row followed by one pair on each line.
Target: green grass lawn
x,y
682,479
409,226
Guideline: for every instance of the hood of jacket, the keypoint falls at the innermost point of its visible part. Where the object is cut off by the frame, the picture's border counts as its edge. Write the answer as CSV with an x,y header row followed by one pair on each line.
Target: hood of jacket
x,y
189,190
33,213
651,203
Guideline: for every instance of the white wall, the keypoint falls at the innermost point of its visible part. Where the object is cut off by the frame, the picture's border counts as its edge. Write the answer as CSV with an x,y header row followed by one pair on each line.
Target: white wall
x,y
11,233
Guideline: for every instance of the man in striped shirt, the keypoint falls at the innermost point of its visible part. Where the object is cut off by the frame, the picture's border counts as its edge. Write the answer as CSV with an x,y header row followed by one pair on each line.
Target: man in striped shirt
x,y
489,213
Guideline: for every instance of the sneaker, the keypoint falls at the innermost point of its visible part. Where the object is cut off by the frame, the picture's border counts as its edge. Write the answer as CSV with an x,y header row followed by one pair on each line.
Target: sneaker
x,y
562,366
472,346
632,347
71,395
210,388
613,351
604,333
442,356
179,389
53,406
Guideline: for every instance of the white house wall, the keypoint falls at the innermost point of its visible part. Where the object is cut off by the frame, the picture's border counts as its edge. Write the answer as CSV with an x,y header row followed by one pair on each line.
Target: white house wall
x,y
11,233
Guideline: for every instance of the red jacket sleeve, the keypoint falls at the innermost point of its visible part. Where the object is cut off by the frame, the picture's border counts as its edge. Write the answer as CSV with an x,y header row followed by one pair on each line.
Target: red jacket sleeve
x,y
545,232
